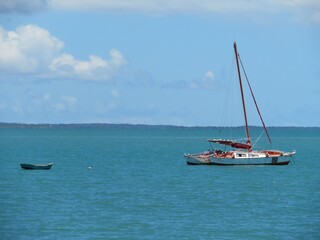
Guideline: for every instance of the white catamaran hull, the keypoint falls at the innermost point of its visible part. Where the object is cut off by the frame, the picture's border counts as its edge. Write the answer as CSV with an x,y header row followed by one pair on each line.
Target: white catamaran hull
x,y
250,161
266,157
198,159
234,158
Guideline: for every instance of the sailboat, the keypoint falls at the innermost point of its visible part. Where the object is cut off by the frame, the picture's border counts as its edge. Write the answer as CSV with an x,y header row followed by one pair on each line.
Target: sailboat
x,y
241,153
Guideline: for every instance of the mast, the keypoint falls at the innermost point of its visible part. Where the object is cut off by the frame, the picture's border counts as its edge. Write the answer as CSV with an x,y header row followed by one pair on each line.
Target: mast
x,y
242,96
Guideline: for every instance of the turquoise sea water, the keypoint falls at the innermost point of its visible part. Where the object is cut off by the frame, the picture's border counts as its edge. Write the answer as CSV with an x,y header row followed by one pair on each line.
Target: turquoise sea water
x,y
139,186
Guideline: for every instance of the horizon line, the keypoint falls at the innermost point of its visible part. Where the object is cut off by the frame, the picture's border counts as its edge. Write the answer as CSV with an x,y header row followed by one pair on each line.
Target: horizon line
x,y
2,124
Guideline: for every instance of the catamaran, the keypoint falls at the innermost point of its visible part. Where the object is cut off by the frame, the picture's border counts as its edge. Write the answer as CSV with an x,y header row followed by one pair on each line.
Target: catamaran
x,y
241,153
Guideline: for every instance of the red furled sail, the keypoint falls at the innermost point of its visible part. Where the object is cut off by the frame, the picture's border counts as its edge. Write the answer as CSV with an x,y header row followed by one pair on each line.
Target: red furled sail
x,y
232,143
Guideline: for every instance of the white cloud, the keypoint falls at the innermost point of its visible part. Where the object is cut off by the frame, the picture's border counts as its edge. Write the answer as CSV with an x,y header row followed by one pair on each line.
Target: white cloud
x,y
33,50
27,50
208,81
95,68
209,76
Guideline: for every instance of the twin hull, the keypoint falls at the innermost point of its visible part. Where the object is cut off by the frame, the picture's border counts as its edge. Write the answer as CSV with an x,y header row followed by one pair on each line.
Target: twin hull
x,y
238,158
250,161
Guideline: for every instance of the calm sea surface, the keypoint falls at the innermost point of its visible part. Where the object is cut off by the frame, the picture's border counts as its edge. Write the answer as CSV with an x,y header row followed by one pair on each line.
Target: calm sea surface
x,y
139,186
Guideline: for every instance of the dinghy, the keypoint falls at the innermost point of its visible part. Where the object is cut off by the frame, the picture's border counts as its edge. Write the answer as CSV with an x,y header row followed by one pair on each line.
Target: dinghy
x,y
31,166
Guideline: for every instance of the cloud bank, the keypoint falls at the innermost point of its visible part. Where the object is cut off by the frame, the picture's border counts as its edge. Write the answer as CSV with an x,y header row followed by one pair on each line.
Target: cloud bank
x,y
166,6
23,6
34,51
297,10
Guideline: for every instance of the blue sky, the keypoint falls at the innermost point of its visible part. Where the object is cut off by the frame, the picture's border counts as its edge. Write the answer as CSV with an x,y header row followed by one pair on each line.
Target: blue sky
x,y
158,62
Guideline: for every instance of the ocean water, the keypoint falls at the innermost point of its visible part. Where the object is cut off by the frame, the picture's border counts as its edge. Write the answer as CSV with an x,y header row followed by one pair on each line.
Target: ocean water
x,y
139,186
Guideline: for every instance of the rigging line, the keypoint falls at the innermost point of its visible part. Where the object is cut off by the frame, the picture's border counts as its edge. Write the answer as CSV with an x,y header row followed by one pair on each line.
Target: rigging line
x,y
254,99
258,138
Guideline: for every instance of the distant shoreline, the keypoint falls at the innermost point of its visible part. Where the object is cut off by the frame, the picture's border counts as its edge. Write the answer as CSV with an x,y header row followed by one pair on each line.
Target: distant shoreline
x,y
125,126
